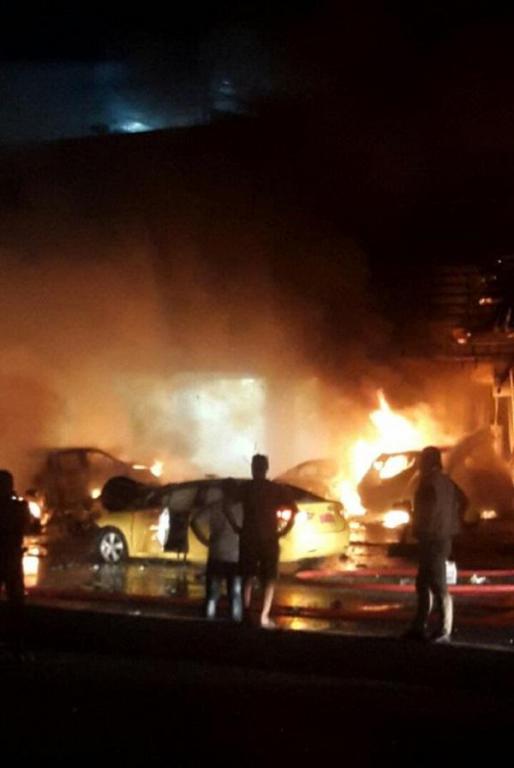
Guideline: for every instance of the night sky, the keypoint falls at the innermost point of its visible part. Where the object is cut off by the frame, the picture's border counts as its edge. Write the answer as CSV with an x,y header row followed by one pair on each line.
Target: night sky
x,y
398,117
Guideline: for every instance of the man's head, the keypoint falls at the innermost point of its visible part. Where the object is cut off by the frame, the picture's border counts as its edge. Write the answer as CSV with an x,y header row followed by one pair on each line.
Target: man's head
x,y
6,483
260,466
430,459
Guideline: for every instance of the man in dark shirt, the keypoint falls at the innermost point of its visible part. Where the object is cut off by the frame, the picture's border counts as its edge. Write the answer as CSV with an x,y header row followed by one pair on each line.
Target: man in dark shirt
x,y
439,506
14,524
259,549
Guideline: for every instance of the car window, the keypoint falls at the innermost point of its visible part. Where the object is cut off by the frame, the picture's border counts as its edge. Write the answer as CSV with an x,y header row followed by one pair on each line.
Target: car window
x,y
182,499
394,464
70,461
101,462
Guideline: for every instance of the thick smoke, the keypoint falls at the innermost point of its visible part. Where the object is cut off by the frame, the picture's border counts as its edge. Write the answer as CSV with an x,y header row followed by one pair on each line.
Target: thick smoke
x,y
144,277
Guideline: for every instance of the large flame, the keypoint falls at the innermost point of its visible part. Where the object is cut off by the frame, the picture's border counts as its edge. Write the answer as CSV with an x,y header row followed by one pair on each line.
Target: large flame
x,y
390,432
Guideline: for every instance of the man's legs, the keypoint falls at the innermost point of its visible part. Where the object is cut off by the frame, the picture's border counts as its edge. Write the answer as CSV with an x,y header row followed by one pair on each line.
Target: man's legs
x,y
247,591
423,593
248,565
446,613
267,601
424,601
235,597
212,595
15,590
439,587
269,573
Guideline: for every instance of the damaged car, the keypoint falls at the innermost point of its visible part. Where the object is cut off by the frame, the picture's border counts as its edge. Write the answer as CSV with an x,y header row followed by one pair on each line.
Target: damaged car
x,y
137,520
387,489
68,480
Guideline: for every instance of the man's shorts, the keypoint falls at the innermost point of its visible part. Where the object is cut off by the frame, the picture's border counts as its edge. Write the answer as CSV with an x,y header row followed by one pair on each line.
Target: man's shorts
x,y
260,559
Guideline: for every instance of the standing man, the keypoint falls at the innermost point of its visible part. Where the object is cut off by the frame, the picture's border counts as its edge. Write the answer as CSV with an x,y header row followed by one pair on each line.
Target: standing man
x,y
262,499
222,542
439,505
14,524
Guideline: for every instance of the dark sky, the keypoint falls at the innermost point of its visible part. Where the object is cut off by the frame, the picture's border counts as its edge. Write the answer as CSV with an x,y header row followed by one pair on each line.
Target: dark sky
x,y
402,112
70,30
89,30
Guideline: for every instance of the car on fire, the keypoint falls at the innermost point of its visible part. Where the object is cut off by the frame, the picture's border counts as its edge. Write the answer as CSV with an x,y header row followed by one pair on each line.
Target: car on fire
x,y
140,528
387,489
67,480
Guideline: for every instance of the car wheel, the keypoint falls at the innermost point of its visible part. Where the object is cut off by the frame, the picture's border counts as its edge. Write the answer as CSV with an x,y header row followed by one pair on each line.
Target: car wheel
x,y
112,546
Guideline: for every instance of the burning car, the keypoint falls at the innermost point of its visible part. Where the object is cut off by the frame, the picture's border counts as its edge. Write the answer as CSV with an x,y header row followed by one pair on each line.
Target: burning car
x,y
136,520
69,479
387,489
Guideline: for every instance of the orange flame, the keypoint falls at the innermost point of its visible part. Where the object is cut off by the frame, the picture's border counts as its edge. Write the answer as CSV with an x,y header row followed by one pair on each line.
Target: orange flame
x,y
391,432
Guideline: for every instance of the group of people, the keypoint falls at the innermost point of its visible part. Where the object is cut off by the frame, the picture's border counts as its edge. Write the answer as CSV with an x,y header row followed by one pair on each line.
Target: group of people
x,y
243,543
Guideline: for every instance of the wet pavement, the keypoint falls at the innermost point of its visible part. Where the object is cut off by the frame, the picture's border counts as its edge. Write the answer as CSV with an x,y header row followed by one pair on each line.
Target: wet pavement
x,y
368,593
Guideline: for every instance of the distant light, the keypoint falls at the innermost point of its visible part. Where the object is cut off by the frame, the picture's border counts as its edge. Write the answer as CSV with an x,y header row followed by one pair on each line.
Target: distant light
x,y
35,509
96,493
488,514
30,565
396,517
135,126
156,468
461,336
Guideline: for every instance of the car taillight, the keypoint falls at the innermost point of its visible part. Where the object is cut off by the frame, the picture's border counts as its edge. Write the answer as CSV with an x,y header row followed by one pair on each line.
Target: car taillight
x,y
337,508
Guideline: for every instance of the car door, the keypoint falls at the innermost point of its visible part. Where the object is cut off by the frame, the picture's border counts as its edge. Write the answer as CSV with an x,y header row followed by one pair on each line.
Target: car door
x,y
179,503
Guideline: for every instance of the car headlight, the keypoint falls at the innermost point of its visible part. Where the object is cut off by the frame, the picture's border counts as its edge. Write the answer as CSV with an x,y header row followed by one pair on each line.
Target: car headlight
x,y
35,509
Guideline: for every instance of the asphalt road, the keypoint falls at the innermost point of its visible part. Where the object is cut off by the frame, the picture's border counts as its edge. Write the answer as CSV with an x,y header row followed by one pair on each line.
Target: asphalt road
x,y
125,671
109,687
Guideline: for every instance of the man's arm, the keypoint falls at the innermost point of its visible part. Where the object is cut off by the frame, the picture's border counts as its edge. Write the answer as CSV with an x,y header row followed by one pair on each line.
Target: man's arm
x,y
229,514
197,515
